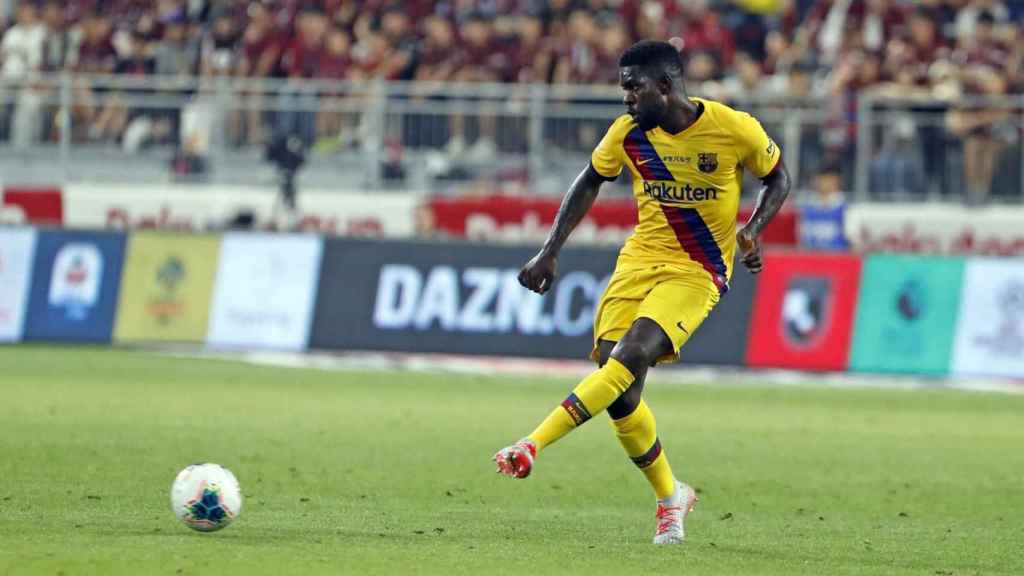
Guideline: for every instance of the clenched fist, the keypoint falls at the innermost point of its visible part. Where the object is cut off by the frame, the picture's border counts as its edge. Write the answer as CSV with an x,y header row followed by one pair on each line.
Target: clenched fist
x,y
750,250
539,273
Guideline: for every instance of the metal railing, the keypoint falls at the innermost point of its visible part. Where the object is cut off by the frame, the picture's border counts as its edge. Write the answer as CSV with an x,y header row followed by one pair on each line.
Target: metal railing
x,y
463,138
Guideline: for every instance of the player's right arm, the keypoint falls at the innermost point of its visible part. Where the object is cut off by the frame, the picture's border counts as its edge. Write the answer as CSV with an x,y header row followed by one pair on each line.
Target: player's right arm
x,y
605,164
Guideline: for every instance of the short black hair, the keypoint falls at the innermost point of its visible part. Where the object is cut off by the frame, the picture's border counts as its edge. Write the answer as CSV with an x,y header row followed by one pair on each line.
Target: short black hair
x,y
653,54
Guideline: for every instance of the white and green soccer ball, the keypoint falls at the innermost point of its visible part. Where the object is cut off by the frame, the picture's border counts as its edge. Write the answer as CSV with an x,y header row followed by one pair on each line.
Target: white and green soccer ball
x,y
206,497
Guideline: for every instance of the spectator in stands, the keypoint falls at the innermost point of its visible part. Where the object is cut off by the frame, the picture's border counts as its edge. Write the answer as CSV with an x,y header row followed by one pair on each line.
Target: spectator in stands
x,y
297,102
898,168
840,128
370,48
881,22
702,31
439,58
749,28
780,53
337,58
533,54
604,11
822,211
22,55
982,130
175,60
578,60
982,47
613,39
748,82
219,49
58,51
258,58
176,56
944,11
396,28
926,44
332,123
482,63
94,55
22,46
968,16
701,67
136,62
555,15
59,45
210,117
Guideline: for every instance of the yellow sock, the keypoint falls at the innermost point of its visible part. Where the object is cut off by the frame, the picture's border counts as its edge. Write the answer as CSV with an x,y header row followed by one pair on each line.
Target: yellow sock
x,y
638,435
595,393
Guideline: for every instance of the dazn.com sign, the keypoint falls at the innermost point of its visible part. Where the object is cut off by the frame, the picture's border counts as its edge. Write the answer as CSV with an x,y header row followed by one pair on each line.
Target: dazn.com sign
x,y
483,300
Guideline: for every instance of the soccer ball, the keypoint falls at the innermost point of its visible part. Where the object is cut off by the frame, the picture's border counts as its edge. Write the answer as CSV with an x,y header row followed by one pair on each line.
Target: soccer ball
x,y
206,497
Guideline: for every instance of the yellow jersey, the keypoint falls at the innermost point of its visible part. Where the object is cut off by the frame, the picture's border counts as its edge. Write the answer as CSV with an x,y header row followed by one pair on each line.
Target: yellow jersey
x,y
687,185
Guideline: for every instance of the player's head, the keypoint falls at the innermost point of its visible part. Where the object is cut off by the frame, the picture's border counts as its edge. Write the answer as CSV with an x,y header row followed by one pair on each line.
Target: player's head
x,y
651,74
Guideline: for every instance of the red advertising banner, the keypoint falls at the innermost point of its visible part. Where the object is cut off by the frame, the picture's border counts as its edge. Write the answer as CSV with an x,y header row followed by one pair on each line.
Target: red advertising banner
x,y
519,219
803,311
42,206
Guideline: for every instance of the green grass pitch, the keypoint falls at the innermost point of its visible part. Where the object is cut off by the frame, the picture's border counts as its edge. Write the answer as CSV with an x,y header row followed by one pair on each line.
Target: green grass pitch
x,y
389,473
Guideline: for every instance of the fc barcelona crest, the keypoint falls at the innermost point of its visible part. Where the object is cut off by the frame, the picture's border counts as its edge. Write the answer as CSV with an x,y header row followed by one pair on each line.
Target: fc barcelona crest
x,y
707,161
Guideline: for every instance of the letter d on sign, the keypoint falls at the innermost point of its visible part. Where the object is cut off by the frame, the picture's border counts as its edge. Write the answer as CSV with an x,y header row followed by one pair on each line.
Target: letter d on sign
x,y
398,291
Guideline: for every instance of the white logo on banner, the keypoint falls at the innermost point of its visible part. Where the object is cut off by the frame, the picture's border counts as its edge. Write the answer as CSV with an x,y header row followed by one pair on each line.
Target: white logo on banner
x,y
75,284
990,335
265,292
17,248
482,300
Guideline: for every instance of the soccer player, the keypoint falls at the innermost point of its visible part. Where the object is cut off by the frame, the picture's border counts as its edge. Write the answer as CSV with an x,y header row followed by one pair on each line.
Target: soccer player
x,y
687,156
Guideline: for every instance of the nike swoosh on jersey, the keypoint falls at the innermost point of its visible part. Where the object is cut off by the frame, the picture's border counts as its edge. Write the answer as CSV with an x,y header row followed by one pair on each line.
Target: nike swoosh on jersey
x,y
644,161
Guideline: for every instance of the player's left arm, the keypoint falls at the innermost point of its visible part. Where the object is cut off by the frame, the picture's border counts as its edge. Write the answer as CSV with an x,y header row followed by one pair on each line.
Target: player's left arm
x,y
769,200
762,156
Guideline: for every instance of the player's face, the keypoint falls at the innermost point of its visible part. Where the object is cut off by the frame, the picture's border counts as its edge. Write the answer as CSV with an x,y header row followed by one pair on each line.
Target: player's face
x,y
643,100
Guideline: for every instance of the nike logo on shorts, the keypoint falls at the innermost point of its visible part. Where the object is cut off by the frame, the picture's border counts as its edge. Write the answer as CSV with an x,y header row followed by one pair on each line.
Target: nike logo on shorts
x,y
680,326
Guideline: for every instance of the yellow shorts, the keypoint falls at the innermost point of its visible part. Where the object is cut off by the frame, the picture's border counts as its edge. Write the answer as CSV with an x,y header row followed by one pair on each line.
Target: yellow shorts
x,y
677,299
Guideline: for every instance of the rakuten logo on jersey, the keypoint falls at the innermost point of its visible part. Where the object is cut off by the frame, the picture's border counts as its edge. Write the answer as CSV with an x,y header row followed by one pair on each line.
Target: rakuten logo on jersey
x,y
672,192
483,300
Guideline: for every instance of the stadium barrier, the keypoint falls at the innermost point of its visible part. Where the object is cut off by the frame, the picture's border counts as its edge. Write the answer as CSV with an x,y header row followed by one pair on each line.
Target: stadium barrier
x,y
932,228
911,314
197,208
384,135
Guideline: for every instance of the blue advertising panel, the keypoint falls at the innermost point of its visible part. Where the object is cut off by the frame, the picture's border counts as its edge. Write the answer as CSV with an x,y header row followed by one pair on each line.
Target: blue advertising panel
x,y
75,286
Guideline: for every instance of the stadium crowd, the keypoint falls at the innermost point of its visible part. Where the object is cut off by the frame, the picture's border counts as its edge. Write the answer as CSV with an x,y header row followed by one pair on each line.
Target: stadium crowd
x,y
929,50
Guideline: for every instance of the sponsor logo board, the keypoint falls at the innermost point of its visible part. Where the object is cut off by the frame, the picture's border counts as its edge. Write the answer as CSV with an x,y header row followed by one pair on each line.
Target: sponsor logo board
x,y
166,287
803,311
906,314
75,286
17,246
990,330
265,291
